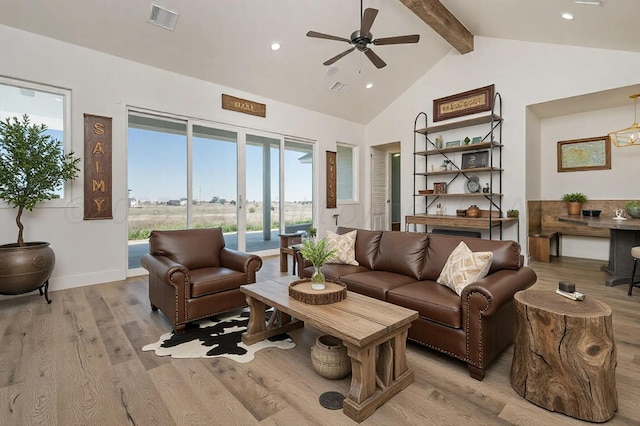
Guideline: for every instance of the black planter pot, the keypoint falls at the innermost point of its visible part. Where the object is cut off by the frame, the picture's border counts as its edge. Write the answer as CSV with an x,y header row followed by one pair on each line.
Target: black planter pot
x,y
25,269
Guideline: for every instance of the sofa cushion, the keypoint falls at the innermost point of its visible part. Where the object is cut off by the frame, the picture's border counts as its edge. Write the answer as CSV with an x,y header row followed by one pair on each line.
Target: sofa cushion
x,y
343,247
375,283
432,301
336,270
215,280
464,267
192,248
367,244
402,253
506,254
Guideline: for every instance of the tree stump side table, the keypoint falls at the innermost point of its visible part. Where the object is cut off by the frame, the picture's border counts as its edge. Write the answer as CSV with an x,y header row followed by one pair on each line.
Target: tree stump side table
x,y
564,355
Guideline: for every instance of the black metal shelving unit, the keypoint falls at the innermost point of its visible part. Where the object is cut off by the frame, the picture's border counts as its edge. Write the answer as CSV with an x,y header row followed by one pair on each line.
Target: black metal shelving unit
x,y
425,149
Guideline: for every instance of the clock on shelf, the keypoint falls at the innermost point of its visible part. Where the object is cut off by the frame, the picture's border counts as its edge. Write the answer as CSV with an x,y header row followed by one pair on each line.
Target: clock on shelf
x,y
473,184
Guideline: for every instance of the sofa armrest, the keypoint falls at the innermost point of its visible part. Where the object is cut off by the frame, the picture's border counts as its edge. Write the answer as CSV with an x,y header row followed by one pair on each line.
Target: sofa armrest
x,y
487,314
163,268
241,261
496,289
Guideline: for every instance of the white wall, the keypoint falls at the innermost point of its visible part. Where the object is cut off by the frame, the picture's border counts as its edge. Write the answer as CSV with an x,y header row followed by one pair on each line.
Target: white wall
x,y
616,183
91,252
524,74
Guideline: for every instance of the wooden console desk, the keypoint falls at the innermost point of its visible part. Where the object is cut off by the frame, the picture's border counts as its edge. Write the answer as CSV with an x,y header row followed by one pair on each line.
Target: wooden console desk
x,y
625,234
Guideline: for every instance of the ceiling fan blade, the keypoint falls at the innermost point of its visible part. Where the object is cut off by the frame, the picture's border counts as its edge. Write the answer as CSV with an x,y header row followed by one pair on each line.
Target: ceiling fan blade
x,y
335,58
375,59
326,36
397,40
367,20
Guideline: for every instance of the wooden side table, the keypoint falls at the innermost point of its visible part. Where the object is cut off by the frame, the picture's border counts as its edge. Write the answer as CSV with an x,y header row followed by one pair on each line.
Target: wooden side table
x,y
564,355
286,241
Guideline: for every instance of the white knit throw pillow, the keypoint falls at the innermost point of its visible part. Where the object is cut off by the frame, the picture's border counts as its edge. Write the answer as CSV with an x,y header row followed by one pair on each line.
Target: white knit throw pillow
x,y
344,246
464,267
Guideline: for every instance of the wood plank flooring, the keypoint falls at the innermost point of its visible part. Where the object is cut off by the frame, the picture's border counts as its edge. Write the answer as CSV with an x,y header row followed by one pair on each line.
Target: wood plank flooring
x,y
78,362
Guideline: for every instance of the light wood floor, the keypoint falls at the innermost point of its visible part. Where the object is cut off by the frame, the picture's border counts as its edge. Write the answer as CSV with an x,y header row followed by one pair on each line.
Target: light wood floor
x,y
78,362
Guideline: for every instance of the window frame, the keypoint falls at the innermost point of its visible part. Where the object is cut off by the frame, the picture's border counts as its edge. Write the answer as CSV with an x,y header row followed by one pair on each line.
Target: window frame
x,y
354,174
67,198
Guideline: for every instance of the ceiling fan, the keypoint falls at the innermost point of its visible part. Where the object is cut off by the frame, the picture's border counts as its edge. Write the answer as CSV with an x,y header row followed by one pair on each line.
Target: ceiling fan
x,y
362,38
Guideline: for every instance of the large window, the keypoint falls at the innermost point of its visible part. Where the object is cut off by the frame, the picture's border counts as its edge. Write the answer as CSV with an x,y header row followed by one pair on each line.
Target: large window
x,y
44,105
346,173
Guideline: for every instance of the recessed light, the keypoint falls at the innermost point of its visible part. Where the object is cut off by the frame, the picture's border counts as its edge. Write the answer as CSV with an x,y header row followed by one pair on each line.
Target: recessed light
x,y
369,85
590,2
566,15
275,46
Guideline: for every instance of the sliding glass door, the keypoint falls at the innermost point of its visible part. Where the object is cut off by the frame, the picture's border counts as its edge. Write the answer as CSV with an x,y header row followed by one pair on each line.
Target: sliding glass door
x,y
215,181
298,185
157,180
186,174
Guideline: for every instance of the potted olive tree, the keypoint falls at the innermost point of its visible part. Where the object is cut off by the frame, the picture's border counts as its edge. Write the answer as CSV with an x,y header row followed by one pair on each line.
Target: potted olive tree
x,y
574,202
33,166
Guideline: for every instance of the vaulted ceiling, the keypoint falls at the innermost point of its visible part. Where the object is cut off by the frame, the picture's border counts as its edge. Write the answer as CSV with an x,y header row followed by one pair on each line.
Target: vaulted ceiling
x,y
228,41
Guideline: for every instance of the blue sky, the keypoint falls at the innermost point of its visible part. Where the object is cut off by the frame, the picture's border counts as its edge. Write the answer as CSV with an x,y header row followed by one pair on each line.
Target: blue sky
x,y
158,171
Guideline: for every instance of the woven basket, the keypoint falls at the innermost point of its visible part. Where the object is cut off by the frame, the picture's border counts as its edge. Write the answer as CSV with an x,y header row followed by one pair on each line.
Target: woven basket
x,y
329,358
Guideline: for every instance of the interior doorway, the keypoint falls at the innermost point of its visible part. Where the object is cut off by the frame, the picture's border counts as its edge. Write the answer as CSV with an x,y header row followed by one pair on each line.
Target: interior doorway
x,y
385,187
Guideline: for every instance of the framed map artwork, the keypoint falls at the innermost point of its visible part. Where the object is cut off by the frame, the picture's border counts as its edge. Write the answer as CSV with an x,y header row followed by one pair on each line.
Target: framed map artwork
x,y
584,154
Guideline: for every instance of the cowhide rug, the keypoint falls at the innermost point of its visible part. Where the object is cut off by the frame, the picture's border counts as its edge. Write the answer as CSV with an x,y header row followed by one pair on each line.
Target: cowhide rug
x,y
216,336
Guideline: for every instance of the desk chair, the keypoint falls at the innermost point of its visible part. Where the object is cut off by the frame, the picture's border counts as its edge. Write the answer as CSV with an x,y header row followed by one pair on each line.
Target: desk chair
x,y
635,252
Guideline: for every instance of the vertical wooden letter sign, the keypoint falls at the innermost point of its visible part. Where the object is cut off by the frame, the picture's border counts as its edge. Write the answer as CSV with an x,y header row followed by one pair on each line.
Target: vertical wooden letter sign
x,y
331,180
97,167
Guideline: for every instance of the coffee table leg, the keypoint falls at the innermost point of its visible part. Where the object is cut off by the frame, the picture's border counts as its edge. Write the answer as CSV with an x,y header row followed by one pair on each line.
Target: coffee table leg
x,y
257,322
390,373
363,373
258,329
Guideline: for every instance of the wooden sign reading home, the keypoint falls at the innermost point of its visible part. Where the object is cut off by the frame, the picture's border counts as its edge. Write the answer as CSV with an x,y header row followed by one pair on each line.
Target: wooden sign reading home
x,y
243,105
97,167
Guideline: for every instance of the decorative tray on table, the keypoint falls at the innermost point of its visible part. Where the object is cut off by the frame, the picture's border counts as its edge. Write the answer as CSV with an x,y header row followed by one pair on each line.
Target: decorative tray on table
x,y
334,292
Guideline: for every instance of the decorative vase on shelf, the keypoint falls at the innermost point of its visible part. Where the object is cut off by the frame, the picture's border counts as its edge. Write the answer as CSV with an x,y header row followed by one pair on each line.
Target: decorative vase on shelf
x,y
317,279
439,143
473,211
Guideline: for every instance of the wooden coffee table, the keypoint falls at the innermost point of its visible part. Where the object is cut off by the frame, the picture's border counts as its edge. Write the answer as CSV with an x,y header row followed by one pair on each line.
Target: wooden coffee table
x,y
362,323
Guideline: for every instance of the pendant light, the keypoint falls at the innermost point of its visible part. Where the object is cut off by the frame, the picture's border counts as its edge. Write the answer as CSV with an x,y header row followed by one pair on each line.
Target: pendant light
x,y
631,135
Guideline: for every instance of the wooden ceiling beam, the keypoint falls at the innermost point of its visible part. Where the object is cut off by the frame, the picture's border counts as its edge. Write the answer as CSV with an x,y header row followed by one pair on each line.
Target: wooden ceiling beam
x,y
443,22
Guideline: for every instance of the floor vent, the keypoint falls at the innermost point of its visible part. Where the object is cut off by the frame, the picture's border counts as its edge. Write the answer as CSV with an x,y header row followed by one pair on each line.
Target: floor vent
x,y
338,87
162,17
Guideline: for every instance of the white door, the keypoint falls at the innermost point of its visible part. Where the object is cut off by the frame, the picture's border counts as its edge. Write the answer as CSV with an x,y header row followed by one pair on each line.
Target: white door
x,y
379,190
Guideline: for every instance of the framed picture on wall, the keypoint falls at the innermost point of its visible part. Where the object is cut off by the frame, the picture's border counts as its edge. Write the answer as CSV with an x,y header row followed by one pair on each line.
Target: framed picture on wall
x,y
474,160
584,154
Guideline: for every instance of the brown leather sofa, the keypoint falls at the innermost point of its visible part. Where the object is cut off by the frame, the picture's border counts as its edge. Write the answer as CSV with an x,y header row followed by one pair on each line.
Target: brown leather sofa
x,y
192,275
402,268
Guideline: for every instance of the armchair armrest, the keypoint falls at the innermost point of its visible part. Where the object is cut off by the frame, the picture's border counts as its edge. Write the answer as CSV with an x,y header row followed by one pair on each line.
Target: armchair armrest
x,y
496,289
163,268
241,261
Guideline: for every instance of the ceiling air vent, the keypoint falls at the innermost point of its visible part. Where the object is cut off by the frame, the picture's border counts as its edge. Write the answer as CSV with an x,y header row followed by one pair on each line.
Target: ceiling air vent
x,y
338,87
162,17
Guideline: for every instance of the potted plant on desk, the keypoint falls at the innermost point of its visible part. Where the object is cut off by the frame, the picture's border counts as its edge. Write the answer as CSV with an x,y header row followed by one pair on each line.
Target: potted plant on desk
x,y
574,202
32,167
316,252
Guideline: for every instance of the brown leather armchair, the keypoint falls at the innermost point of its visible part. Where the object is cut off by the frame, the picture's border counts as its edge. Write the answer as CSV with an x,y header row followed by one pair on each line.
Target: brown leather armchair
x,y
192,275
